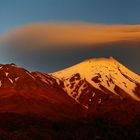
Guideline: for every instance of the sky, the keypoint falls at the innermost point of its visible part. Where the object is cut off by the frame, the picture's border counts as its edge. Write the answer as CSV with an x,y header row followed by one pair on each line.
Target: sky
x,y
49,35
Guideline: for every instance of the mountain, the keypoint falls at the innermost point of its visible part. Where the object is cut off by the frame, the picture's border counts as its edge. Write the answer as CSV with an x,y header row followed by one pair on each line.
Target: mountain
x,y
102,83
92,87
95,99
104,75
22,91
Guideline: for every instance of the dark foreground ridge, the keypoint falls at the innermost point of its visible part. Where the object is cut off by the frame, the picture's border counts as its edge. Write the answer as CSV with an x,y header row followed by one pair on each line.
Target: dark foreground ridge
x,y
30,127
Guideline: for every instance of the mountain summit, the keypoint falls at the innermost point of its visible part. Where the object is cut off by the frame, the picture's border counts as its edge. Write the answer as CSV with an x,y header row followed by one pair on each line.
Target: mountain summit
x,y
94,80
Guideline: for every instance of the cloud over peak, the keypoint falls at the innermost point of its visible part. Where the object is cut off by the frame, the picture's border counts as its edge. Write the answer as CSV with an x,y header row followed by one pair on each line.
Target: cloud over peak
x,y
47,35
53,46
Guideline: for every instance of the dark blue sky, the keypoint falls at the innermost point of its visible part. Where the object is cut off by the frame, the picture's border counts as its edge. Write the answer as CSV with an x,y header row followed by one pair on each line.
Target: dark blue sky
x,y
18,12
14,13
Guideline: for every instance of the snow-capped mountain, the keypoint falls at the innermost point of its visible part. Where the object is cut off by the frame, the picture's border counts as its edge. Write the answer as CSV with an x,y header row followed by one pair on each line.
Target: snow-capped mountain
x,y
95,86
96,80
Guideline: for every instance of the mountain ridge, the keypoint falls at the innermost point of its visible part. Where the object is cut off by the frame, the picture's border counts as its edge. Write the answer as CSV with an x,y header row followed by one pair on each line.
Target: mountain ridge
x,y
22,91
95,86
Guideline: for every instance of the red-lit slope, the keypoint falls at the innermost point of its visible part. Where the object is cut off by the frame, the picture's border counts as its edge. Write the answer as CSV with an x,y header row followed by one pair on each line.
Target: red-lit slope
x,y
22,91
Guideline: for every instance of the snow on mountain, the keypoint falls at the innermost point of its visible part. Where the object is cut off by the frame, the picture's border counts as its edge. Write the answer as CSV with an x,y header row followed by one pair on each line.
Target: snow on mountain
x,y
104,76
